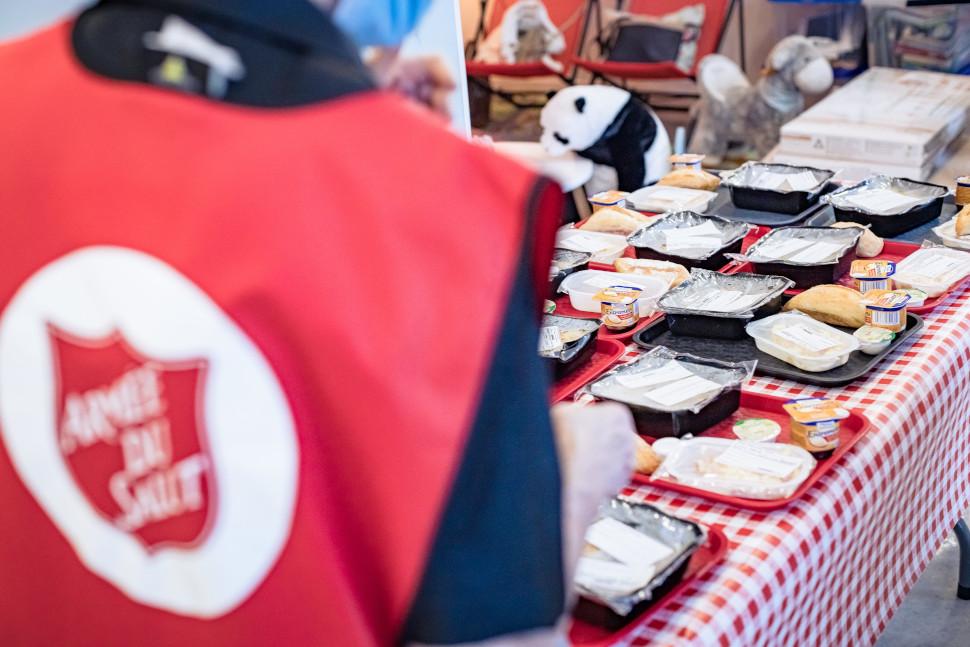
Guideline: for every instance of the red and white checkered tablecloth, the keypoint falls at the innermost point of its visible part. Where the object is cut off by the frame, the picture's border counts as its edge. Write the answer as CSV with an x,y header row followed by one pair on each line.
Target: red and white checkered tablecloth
x,y
832,568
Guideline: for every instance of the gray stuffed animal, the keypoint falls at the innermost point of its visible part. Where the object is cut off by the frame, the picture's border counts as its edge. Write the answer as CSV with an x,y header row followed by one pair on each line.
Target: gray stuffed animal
x,y
733,110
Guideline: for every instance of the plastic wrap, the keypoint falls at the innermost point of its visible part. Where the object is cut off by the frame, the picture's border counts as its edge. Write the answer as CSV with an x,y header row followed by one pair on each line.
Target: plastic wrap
x,y
837,243
654,235
713,294
572,333
881,189
680,537
933,269
779,178
657,378
605,248
948,234
799,340
698,463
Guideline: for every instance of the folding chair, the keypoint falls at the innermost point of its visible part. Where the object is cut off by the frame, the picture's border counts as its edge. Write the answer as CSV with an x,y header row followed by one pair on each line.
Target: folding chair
x,y
716,15
571,17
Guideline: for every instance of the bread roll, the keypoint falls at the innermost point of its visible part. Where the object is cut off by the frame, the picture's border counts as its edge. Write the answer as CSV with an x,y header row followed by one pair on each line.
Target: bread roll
x,y
616,220
690,178
835,305
869,245
962,224
647,460
673,273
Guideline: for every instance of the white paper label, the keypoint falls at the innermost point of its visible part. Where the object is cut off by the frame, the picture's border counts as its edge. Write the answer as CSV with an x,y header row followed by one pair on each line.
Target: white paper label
x,y
669,372
770,180
758,459
550,339
605,576
781,250
724,301
583,243
938,267
708,228
806,338
883,200
804,181
683,390
692,242
626,544
818,252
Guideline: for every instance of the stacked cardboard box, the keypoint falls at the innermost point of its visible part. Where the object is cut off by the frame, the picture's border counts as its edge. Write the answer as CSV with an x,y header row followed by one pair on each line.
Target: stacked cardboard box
x,y
887,120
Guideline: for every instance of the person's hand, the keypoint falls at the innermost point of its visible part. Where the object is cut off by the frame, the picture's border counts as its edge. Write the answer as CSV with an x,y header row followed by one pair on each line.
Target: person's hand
x,y
425,80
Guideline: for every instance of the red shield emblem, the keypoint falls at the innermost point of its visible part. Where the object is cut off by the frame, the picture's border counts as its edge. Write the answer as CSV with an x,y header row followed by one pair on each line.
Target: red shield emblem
x,y
131,431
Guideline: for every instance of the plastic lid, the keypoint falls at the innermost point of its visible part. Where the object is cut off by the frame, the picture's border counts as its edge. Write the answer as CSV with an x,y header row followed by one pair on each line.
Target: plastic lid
x,y
592,281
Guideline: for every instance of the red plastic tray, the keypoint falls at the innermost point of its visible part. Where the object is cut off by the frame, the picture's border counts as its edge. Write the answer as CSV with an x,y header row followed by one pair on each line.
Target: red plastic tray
x,y
606,353
756,405
893,250
702,561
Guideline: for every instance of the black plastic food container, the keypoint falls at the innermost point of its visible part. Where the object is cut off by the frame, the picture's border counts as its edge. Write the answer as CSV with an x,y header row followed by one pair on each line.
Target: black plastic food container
x,y
720,327
692,537
892,226
574,354
808,276
788,202
682,321
714,261
595,613
558,278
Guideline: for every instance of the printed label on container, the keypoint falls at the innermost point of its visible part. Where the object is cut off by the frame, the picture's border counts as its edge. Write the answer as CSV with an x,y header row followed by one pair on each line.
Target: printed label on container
x,y
817,253
781,250
881,200
550,339
724,301
626,544
605,576
584,243
683,390
669,372
806,338
759,459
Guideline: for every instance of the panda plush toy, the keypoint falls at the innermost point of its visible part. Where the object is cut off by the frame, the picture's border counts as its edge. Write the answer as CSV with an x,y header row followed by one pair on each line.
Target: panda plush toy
x,y
611,127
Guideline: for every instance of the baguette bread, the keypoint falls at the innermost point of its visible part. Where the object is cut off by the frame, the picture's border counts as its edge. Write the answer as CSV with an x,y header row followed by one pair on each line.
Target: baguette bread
x,y
616,220
690,178
869,245
835,305
962,223
646,460
673,273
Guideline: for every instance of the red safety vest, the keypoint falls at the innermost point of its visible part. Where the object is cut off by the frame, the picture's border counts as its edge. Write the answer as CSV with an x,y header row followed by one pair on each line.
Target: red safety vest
x,y
240,352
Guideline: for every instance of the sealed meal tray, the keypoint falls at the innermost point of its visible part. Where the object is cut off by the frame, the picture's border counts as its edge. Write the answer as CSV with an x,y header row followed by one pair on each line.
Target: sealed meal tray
x,y
799,340
564,263
932,269
690,239
663,199
891,205
604,248
779,188
809,256
763,471
673,394
715,305
634,554
567,341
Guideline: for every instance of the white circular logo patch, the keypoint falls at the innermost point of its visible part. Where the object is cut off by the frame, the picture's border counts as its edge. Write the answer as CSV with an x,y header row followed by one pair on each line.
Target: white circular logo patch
x,y
150,429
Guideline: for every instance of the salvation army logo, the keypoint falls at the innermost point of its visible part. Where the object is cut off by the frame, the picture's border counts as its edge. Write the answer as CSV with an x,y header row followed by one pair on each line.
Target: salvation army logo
x,y
149,428
130,430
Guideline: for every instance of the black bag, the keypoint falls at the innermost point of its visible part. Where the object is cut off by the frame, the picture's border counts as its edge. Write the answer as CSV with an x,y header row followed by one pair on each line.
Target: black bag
x,y
640,43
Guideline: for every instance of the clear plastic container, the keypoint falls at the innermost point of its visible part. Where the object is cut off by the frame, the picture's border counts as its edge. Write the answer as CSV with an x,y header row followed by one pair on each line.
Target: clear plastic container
x,y
948,234
932,269
583,286
605,248
801,341
762,471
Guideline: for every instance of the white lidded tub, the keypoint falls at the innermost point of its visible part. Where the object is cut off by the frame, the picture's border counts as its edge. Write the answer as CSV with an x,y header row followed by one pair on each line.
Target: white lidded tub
x,y
583,286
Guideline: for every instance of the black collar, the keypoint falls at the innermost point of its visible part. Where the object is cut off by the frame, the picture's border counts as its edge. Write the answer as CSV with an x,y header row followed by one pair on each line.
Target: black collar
x,y
292,51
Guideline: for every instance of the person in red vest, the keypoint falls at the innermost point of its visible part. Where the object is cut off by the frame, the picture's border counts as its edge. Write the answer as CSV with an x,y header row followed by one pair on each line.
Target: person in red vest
x,y
268,368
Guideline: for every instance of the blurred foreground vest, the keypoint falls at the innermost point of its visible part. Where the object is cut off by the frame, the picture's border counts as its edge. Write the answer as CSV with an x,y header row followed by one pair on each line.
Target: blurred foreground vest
x,y
240,353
